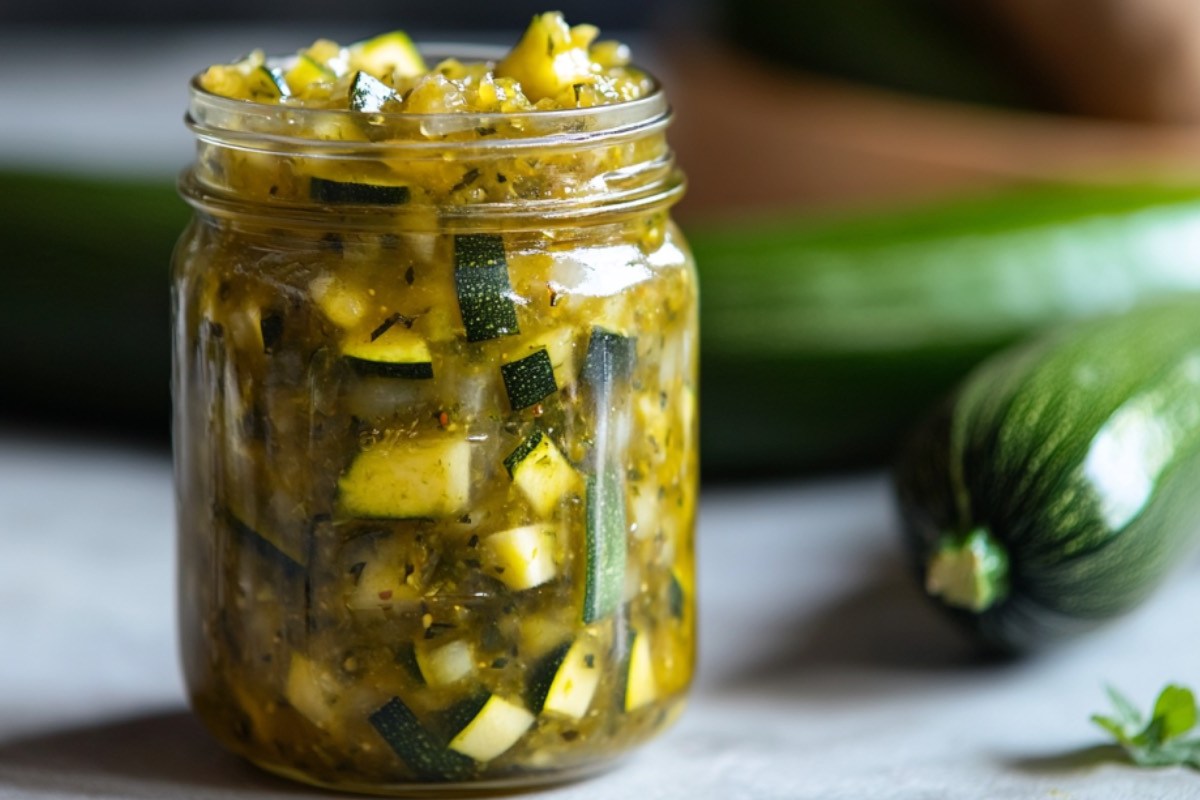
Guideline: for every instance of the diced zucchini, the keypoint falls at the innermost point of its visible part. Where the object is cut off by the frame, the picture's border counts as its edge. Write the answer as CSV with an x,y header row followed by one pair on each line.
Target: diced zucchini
x,y
646,510
542,674
550,58
417,748
271,547
256,330
391,351
559,344
496,728
265,82
307,71
654,422
522,557
540,634
342,305
388,54
444,664
566,680
381,585
406,657
311,691
610,359
541,472
640,686
323,190
529,380
484,290
423,477
244,328
604,562
369,94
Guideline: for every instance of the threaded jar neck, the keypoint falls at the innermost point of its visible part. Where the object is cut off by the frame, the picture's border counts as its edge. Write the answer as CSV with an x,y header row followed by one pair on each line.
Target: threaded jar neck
x,y
527,169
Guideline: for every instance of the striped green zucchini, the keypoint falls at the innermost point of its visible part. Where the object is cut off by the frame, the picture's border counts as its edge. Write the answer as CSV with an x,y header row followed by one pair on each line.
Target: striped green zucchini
x,y
1058,487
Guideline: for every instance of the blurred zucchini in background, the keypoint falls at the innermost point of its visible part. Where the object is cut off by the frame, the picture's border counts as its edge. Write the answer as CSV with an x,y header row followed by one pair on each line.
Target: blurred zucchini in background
x,y
823,341
85,308
938,48
1058,487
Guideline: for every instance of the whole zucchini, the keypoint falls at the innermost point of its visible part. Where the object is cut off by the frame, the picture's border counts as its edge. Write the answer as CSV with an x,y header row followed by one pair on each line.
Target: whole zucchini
x,y
823,341
1058,486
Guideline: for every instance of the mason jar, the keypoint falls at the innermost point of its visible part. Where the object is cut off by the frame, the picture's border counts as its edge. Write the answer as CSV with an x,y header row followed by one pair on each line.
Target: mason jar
x,y
435,441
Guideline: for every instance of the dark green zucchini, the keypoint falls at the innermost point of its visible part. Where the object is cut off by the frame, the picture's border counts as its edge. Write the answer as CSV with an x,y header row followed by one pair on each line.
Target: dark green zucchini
x,y
484,290
923,46
272,548
529,380
610,357
604,561
1058,486
343,192
565,680
369,94
427,756
823,341
542,675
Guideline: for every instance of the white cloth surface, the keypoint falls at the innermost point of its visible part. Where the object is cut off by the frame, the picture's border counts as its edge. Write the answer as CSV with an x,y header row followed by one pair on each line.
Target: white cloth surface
x,y
823,676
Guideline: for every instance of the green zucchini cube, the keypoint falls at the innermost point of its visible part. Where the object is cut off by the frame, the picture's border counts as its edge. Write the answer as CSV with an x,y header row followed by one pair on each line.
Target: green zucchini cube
x,y
610,359
342,192
418,748
529,380
369,94
541,472
483,287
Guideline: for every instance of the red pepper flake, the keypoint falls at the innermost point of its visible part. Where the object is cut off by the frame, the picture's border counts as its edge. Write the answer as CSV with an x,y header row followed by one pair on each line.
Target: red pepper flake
x,y
538,410
386,594
443,419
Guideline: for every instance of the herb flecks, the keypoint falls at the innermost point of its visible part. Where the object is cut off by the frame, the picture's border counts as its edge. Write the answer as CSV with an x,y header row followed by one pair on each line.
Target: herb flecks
x,y
387,324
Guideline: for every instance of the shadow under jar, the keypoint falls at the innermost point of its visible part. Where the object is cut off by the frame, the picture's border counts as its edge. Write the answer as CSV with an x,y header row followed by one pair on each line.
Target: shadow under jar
x,y
435,441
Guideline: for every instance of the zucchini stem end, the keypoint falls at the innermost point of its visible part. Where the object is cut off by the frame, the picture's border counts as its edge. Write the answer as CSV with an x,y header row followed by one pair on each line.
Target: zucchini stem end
x,y
968,571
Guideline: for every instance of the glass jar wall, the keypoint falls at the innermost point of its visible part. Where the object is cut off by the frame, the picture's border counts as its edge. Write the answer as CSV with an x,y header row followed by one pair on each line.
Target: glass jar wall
x,y
435,441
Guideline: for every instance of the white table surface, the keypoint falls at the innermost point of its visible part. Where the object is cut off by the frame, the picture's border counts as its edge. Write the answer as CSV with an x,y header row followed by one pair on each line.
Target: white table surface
x,y
822,674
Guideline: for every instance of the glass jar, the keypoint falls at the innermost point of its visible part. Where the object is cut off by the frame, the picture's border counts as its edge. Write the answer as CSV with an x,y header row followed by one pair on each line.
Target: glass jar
x,y
435,441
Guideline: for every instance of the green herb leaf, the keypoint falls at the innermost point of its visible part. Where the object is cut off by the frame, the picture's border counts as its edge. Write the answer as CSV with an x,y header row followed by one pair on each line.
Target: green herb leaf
x,y
1113,726
1127,712
1176,708
1158,742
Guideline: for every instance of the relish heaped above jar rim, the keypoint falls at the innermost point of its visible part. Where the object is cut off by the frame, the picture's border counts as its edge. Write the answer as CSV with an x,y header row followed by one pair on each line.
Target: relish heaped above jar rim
x,y
411,130
552,68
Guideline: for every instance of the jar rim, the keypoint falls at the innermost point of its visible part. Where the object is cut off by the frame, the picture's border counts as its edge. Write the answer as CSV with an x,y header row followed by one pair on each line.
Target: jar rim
x,y
216,116
265,131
